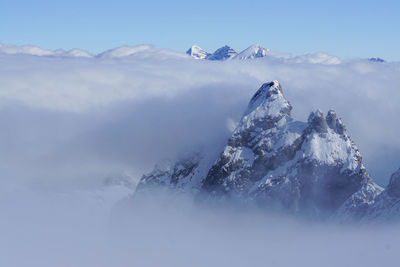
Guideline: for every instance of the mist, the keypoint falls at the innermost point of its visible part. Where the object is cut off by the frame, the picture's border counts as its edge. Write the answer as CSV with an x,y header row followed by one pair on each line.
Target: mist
x,y
78,133
167,229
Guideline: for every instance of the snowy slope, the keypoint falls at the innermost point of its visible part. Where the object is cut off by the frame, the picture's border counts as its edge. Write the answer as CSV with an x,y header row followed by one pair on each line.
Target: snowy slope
x,y
254,51
222,53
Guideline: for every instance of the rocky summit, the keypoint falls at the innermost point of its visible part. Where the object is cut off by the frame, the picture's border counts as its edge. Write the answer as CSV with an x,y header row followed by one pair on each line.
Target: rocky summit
x,y
276,162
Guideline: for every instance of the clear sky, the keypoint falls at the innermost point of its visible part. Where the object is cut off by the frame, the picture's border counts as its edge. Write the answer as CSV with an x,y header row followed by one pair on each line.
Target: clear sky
x,y
343,28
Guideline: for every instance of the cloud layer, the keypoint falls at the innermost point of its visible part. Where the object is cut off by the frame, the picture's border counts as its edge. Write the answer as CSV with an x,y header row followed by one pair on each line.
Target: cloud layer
x,y
128,112
70,122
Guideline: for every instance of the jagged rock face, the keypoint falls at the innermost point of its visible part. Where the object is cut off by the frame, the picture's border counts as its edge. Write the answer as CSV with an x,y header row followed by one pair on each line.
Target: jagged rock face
x,y
387,204
275,161
197,53
222,53
185,173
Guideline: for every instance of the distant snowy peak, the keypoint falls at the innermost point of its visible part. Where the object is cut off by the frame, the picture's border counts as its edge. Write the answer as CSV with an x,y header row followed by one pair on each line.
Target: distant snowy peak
x,y
376,59
257,51
254,51
197,53
222,53
123,51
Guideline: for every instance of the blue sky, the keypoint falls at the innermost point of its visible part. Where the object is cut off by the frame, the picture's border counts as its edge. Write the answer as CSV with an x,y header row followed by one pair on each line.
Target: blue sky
x,y
343,28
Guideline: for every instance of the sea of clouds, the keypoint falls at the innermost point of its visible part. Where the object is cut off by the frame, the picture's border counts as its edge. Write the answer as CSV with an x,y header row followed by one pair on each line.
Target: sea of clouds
x,y
70,122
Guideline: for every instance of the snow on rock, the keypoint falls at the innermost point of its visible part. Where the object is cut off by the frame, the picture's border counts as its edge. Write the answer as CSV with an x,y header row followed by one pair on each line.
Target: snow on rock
x,y
386,207
222,53
197,53
185,173
252,52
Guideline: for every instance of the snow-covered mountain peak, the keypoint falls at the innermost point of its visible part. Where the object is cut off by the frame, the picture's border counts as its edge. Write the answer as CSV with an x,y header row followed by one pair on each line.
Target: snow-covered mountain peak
x,y
268,103
276,161
393,188
223,53
196,52
253,51
267,90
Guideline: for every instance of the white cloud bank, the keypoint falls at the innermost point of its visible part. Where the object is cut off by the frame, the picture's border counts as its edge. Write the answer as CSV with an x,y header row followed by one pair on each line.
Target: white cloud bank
x,y
123,109
69,122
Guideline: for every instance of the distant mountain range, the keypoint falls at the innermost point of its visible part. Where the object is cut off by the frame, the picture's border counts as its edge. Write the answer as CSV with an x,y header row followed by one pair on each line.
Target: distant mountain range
x,y
147,51
37,51
226,52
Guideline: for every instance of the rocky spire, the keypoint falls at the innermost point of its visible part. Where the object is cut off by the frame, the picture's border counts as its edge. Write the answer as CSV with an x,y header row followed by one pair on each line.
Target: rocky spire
x,y
317,121
268,105
266,91
335,123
